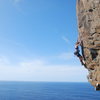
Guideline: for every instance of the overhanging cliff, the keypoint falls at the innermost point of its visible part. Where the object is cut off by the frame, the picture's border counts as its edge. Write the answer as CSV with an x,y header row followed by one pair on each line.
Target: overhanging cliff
x,y
88,12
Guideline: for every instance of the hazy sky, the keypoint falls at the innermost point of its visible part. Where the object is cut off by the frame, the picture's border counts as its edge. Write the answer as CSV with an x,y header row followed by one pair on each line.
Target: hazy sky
x,y
37,41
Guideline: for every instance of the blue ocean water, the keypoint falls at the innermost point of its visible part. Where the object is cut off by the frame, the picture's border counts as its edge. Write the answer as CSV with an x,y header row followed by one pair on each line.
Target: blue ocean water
x,y
47,91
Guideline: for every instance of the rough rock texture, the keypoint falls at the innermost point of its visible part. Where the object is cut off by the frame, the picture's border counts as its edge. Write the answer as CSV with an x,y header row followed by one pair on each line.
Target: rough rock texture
x,y
88,12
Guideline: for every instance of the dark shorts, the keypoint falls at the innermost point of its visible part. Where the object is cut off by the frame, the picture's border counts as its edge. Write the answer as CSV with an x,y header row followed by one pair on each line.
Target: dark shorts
x,y
77,54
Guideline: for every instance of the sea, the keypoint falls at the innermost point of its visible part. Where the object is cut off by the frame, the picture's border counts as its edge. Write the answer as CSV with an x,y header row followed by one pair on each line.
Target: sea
x,y
47,91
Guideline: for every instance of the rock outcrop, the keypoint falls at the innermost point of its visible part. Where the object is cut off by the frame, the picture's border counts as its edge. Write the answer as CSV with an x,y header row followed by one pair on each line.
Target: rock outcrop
x,y
88,12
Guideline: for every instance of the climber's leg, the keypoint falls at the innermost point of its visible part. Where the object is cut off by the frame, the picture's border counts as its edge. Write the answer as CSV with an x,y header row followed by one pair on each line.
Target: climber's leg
x,y
82,60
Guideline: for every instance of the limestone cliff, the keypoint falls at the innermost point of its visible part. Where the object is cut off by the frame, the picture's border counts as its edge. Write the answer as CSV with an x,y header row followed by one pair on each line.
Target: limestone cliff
x,y
88,12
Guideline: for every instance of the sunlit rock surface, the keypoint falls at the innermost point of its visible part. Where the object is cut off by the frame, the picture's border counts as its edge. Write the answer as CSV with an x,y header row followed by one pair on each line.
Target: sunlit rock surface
x,y
88,15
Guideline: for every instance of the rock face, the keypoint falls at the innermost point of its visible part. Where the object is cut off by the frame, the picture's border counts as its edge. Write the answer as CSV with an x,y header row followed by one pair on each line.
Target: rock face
x,y
88,12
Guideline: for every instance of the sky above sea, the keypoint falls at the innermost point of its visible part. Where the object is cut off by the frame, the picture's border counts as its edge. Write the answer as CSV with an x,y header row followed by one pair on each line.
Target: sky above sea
x,y
37,39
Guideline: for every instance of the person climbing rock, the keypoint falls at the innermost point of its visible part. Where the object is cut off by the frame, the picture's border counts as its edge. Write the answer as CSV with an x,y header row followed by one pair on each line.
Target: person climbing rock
x,y
77,53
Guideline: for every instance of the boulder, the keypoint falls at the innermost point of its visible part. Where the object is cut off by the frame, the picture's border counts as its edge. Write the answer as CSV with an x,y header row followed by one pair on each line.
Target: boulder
x,y
88,15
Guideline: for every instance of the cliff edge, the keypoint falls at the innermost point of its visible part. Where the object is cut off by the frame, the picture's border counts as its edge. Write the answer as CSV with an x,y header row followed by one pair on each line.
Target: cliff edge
x,y
88,15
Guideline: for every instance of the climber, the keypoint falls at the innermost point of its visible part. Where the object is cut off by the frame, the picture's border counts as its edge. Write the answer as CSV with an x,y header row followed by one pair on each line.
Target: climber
x,y
78,54
97,87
